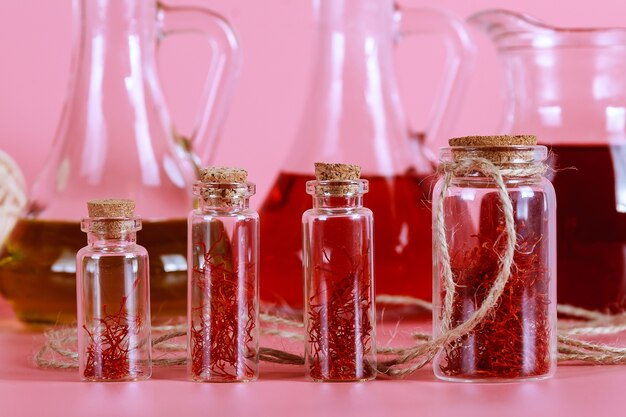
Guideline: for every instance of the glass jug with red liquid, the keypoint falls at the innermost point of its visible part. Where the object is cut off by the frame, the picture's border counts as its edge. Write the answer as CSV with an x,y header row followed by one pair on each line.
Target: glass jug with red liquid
x,y
354,114
115,139
568,87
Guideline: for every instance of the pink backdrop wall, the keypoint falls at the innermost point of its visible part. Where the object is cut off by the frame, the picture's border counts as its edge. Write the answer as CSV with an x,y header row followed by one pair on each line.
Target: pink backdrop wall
x,y
35,40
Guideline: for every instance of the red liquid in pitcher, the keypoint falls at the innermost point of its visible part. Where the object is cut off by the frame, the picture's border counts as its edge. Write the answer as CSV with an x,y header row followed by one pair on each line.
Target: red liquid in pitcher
x,y
591,225
402,236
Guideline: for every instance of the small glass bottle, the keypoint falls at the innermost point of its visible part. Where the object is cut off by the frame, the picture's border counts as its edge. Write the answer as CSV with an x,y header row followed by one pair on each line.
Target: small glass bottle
x,y
504,283
338,255
113,296
223,294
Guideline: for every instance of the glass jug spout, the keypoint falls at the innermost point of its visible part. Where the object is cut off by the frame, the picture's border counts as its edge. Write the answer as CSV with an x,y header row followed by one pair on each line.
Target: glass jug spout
x,y
562,84
509,29
500,23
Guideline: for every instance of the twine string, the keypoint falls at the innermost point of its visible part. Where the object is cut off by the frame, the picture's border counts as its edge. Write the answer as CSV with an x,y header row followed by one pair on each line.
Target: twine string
x,y
423,353
60,348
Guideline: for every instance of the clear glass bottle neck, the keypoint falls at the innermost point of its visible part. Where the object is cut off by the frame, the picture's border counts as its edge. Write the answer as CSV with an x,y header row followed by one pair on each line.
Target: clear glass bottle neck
x,y
337,194
111,232
355,45
355,18
223,205
338,202
119,25
111,241
224,198
117,37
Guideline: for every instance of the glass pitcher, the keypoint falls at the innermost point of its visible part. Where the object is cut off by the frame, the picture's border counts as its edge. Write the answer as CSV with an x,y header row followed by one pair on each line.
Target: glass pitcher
x,y
354,115
115,139
567,86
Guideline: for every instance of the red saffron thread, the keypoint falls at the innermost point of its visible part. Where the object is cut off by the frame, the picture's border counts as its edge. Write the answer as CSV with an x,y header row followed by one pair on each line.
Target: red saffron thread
x,y
514,340
108,352
339,325
222,336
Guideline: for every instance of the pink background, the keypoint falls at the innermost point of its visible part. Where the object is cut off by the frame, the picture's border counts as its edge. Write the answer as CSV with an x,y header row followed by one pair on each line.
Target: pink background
x,y
35,39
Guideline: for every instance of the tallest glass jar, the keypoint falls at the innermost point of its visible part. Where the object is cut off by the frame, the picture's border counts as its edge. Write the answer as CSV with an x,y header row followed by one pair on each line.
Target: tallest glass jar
x,y
354,114
116,139
495,261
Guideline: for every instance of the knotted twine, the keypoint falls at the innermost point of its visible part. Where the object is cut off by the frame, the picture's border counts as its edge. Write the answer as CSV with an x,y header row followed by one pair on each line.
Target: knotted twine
x,y
59,350
422,354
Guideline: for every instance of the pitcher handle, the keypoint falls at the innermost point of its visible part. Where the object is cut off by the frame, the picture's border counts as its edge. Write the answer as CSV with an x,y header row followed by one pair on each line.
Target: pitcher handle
x,y
460,56
220,81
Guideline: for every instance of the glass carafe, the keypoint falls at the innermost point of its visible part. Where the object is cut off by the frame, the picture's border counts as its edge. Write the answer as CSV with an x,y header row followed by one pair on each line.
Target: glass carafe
x,y
354,115
115,139
567,86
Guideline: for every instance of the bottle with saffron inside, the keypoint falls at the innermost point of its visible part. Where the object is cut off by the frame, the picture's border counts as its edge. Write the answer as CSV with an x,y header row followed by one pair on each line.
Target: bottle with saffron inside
x,y
494,236
223,298
338,261
113,296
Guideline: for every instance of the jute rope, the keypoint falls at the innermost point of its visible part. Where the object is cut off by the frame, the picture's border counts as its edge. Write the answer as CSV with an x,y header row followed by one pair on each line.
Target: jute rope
x,y
418,356
59,350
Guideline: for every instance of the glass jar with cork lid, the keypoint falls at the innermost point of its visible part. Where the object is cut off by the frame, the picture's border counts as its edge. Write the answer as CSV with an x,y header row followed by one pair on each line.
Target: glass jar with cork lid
x,y
223,294
494,288
113,296
338,260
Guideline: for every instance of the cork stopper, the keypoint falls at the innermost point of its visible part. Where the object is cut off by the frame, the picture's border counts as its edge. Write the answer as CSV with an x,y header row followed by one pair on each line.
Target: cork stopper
x,y
494,148
336,172
224,186
106,216
111,208
498,140
223,174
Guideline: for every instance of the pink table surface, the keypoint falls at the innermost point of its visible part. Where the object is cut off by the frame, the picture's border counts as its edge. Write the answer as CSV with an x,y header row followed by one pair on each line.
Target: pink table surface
x,y
282,390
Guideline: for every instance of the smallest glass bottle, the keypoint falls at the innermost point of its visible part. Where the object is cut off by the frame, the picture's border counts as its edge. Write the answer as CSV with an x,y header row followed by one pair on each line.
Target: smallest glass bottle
x,y
495,261
339,316
223,290
113,296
